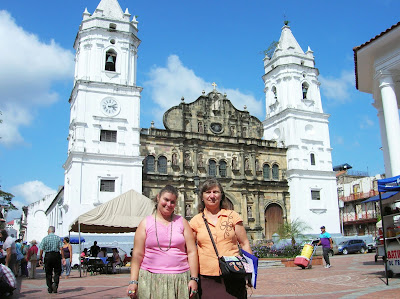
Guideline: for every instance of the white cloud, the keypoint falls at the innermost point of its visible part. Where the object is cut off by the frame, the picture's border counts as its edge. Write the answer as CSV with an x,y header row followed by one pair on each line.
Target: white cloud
x,y
168,84
29,67
337,89
30,192
366,122
339,140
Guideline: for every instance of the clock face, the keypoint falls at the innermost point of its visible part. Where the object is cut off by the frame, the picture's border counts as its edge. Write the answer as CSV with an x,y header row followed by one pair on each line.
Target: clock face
x,y
110,106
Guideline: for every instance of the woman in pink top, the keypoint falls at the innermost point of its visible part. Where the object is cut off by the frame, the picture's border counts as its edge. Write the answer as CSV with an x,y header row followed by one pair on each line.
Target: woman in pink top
x,y
164,261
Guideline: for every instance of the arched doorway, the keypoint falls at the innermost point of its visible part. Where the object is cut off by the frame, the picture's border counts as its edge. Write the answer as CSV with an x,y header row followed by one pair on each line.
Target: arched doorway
x,y
273,219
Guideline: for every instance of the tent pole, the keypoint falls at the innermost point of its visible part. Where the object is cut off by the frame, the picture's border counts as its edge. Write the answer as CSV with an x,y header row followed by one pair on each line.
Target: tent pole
x,y
80,250
384,238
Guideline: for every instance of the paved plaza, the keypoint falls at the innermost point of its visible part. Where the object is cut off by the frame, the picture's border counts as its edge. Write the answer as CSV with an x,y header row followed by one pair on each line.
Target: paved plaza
x,y
351,276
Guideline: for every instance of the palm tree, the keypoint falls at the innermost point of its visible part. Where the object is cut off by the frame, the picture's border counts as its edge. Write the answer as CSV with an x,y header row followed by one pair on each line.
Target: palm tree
x,y
293,230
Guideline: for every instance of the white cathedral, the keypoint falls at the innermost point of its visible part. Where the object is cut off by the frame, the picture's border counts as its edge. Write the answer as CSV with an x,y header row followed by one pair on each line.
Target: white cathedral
x,y
104,132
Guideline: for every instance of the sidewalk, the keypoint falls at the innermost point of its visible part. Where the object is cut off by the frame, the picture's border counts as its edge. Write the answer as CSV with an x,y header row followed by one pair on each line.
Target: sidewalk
x,y
351,276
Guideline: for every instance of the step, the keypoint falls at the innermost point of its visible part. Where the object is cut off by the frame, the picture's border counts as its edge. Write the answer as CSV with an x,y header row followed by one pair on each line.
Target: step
x,y
262,264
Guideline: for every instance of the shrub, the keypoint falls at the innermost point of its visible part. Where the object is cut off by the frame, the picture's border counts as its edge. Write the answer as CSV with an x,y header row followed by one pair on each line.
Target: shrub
x,y
282,251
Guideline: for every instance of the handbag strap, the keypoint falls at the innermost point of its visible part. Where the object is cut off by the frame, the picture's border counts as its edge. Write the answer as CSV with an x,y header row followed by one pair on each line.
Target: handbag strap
x,y
211,237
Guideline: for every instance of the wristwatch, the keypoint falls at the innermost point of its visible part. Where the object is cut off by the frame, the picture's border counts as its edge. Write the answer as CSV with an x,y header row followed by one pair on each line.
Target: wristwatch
x,y
133,282
196,279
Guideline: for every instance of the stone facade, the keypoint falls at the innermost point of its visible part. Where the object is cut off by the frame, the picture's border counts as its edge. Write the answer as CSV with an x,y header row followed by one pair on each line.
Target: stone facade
x,y
211,138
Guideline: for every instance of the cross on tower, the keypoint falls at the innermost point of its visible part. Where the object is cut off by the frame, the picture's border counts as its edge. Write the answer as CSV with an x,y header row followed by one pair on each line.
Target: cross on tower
x,y
214,85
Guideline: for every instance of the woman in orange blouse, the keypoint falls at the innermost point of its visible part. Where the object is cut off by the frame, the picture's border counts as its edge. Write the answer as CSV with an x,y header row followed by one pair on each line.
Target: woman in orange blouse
x,y
227,229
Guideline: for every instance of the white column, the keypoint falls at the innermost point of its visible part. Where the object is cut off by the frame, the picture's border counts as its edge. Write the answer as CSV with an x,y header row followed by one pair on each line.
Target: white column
x,y
385,146
392,123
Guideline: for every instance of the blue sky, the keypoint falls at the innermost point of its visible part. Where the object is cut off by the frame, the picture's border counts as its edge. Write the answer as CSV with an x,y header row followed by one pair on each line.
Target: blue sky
x,y
186,45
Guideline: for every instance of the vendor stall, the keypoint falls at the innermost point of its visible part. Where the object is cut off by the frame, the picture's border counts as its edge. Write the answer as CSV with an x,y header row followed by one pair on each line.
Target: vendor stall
x,y
390,215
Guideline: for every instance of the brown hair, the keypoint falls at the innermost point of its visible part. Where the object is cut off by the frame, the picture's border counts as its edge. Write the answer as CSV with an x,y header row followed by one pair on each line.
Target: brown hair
x,y
207,184
168,188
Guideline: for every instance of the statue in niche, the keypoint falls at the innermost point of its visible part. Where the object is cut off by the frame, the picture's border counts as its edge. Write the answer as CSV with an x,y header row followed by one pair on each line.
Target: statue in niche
x,y
244,132
188,210
187,160
234,163
200,160
200,127
249,212
232,131
257,166
246,164
174,159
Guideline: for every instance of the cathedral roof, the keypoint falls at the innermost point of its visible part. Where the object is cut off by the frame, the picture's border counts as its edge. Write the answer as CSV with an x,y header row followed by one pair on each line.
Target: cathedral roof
x,y
287,44
111,9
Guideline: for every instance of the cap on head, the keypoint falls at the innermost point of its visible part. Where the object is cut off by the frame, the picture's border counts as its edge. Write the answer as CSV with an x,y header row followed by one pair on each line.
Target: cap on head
x,y
322,227
33,242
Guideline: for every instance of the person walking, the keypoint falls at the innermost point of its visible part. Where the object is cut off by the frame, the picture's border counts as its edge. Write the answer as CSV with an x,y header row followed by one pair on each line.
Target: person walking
x,y
31,257
52,246
227,229
67,259
164,261
327,244
10,250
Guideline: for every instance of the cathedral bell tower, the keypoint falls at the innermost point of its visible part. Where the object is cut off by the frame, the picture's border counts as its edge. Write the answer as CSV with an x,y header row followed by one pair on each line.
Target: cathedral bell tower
x,y
295,119
104,131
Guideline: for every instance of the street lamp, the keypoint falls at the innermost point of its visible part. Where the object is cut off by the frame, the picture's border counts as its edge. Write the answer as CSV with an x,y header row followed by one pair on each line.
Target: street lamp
x,y
196,181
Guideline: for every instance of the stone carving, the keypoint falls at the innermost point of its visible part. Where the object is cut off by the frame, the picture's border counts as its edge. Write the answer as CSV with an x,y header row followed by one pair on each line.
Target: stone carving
x,y
187,160
249,212
174,159
234,163
246,164
188,210
200,160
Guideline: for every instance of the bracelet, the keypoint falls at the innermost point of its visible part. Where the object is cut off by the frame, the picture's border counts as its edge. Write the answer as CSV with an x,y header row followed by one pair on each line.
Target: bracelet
x,y
196,279
134,282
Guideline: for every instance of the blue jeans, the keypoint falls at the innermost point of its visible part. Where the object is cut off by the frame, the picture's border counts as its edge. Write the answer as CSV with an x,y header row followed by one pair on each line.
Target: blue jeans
x,y
67,267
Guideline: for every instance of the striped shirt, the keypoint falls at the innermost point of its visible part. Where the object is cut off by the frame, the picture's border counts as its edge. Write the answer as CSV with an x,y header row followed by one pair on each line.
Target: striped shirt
x,y
51,243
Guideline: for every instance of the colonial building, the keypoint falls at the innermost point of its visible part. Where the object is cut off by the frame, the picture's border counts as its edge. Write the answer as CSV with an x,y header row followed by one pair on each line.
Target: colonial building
x,y
377,68
104,132
295,119
211,138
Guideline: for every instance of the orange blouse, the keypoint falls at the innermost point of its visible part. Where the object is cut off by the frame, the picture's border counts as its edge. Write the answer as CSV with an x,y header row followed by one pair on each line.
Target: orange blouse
x,y
224,237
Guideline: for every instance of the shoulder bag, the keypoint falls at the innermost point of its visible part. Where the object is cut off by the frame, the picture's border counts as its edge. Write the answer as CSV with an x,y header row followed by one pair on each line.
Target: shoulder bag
x,y
230,266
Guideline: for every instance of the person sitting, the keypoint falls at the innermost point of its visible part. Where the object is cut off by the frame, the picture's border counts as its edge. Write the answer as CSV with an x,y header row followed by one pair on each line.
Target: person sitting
x,y
84,254
102,253
116,259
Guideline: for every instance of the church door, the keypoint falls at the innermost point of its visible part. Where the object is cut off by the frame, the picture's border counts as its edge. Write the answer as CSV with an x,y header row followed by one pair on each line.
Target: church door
x,y
273,219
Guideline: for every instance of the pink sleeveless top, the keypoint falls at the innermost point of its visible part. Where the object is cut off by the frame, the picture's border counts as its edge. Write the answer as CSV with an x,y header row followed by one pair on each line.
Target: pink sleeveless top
x,y
175,260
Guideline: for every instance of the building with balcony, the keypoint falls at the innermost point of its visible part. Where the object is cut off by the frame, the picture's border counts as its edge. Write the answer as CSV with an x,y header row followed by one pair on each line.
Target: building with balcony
x,y
356,216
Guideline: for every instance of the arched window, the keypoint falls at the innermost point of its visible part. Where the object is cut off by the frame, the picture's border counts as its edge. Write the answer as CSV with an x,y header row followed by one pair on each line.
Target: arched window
x,y
150,163
266,172
304,90
162,164
312,159
212,168
111,60
222,169
275,172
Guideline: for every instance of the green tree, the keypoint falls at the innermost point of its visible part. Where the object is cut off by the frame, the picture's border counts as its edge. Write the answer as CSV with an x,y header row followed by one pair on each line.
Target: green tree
x,y
5,205
292,230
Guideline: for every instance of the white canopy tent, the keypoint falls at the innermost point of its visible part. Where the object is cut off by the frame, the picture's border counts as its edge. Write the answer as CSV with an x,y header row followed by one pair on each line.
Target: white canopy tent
x,y
119,215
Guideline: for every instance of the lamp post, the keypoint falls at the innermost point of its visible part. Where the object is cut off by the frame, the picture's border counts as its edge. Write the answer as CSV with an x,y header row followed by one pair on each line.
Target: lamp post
x,y
196,181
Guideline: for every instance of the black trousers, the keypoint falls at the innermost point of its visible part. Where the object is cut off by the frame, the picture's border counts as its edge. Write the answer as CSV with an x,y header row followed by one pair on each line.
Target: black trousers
x,y
325,253
52,262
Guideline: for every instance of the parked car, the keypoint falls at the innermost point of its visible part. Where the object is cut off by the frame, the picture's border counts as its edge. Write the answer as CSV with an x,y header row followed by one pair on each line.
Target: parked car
x,y
318,250
121,252
371,247
351,246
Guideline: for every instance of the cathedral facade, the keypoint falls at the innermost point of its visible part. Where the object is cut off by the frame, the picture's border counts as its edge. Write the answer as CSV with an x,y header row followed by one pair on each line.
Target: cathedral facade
x,y
211,138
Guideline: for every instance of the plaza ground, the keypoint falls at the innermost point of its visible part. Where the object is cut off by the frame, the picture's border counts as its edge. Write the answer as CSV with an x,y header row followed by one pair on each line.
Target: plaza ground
x,y
351,276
